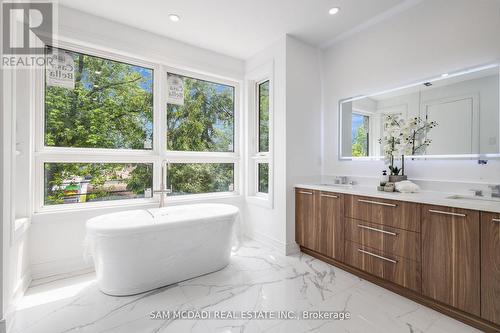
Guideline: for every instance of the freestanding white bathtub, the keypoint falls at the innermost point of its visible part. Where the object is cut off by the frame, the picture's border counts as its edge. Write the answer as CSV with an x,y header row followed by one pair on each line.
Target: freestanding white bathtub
x,y
139,250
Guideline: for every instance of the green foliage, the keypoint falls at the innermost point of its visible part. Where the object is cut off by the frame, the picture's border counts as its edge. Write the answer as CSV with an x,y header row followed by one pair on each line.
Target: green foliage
x,y
360,143
395,170
264,177
112,107
206,120
264,117
191,178
62,178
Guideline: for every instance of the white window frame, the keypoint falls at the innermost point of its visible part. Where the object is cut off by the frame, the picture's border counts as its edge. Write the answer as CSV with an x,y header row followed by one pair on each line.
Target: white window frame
x,y
172,156
370,116
255,77
158,156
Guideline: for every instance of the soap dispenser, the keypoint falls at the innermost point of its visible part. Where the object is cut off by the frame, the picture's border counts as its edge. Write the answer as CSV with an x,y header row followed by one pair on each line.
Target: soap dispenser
x,y
384,178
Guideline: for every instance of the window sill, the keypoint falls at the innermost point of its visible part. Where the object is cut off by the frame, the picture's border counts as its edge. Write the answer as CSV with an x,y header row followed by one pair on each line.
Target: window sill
x,y
260,201
135,203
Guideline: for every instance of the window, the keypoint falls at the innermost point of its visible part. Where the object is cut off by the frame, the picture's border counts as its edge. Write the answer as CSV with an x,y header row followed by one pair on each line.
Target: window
x,y
104,104
264,116
195,178
263,137
360,135
260,127
203,118
200,124
86,182
263,177
103,134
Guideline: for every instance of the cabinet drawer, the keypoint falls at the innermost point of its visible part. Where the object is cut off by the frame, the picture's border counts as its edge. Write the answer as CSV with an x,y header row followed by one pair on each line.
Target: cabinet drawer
x,y
398,214
393,268
390,240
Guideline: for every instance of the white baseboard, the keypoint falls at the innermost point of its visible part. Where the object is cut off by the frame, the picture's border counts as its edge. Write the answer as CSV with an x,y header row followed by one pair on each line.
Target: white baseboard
x,y
19,291
57,269
292,248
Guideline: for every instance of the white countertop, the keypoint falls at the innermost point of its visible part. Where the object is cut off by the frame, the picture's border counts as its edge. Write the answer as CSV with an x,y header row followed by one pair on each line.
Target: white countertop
x,y
425,197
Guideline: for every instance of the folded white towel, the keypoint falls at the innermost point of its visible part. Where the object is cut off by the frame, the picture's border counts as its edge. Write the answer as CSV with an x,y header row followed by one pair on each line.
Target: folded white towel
x,y
407,186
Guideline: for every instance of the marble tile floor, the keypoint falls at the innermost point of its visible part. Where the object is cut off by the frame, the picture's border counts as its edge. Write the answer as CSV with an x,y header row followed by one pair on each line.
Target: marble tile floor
x,y
258,278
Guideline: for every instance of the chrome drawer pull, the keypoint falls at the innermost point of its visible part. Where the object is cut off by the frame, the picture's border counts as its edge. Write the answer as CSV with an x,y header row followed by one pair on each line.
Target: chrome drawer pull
x,y
377,256
446,213
329,196
495,220
304,192
377,203
377,230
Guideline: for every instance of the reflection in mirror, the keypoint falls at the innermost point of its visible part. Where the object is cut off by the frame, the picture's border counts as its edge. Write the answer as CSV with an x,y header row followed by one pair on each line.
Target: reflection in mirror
x,y
463,107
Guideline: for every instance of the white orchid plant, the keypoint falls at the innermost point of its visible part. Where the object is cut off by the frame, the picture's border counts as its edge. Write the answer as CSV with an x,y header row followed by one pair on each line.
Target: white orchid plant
x,y
402,138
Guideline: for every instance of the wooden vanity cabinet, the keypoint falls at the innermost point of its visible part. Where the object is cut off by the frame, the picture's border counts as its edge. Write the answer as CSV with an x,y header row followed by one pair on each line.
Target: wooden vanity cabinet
x,y
451,257
319,222
490,267
306,227
443,257
331,220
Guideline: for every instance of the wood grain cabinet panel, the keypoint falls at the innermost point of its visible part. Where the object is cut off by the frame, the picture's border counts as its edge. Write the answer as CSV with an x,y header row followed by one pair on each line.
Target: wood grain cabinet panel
x,y
331,221
451,257
490,267
391,240
393,268
397,214
306,226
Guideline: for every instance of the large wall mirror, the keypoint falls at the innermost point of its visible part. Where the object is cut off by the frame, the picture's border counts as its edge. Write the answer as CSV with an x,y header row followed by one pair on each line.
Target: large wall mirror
x,y
458,115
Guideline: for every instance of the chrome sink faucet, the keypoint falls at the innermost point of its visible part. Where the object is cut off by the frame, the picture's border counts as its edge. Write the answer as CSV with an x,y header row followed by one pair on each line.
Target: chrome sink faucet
x,y
163,187
495,191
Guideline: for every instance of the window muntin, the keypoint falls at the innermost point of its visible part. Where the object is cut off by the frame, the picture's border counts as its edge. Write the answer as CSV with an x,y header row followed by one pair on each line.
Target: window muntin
x,y
360,135
205,121
196,178
263,106
111,106
66,183
263,178
70,155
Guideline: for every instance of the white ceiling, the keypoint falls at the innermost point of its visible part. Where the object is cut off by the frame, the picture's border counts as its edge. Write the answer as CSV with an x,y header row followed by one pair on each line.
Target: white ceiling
x,y
238,28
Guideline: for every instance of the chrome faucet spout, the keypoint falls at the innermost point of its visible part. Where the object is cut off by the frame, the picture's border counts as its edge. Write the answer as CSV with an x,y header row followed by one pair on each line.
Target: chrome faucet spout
x,y
163,191
495,191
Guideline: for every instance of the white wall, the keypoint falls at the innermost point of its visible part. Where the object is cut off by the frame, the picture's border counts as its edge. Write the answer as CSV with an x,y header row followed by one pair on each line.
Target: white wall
x,y
433,37
268,224
15,275
303,121
297,149
3,224
57,239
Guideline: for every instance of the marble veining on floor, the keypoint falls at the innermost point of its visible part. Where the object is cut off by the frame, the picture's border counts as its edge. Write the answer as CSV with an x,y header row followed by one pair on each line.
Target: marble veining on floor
x,y
258,278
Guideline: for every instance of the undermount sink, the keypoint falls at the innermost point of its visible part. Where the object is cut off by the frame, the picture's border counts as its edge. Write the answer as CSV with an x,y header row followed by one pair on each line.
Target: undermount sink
x,y
336,185
465,197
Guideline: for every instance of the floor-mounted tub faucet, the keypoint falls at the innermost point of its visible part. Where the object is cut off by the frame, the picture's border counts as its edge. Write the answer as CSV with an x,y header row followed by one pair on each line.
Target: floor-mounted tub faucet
x,y
163,187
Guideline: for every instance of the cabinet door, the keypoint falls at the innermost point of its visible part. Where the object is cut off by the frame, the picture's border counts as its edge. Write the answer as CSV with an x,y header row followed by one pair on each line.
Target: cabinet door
x,y
490,267
450,257
331,220
306,226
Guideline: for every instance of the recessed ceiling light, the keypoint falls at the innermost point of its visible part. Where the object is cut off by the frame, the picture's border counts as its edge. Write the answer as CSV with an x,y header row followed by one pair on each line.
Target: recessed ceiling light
x,y
174,17
444,75
334,10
